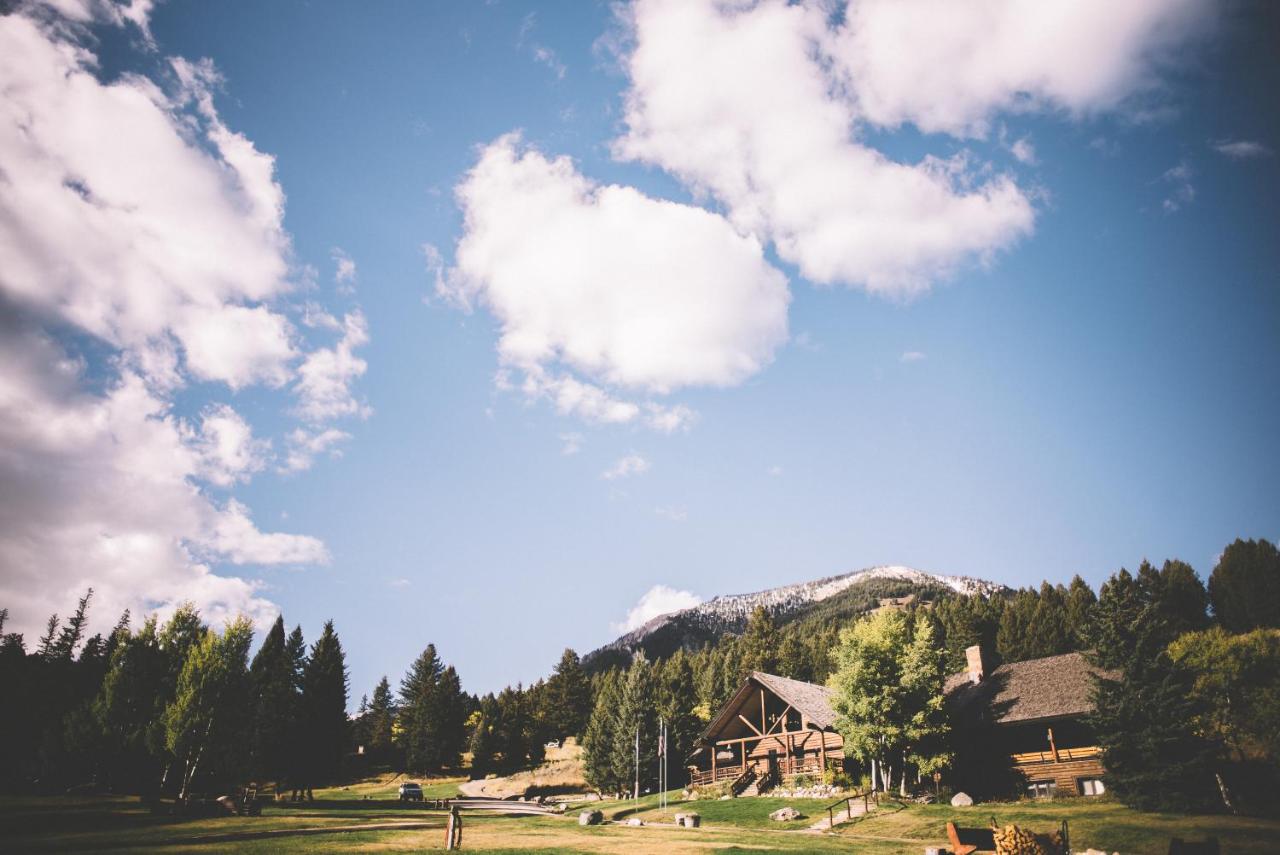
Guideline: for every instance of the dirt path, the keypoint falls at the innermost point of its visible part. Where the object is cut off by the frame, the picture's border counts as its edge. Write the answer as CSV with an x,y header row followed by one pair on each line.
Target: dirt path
x,y
233,836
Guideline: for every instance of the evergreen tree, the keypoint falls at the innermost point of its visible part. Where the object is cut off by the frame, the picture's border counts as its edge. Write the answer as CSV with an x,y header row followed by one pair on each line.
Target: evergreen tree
x,y
1049,632
1245,586
1145,714
381,717
676,700
273,702
484,742
432,713
296,741
568,697
636,715
73,632
759,644
1014,639
1081,601
1184,602
129,710
602,735
794,658
324,702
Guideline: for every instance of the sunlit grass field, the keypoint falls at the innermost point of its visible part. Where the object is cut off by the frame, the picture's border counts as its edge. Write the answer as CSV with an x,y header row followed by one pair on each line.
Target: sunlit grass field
x,y
337,823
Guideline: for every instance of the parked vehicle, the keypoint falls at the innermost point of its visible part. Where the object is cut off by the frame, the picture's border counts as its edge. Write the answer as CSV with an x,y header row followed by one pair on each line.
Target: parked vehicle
x,y
410,792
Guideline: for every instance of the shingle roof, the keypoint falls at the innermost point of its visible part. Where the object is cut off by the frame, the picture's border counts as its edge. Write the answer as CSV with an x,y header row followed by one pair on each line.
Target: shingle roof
x,y
1052,687
810,699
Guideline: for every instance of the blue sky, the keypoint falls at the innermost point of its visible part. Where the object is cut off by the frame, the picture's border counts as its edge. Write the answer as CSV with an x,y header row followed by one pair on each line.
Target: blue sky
x,y
1057,353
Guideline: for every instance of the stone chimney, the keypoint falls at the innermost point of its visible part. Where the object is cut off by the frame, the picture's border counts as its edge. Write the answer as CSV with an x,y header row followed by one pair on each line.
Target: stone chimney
x,y
973,655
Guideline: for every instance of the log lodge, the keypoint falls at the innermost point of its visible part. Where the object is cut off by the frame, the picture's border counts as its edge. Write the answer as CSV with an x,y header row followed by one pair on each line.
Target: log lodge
x,y
774,728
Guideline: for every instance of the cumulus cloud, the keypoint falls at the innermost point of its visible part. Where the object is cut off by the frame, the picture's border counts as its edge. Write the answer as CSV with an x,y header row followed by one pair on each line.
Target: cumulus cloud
x,y
141,248
951,67
115,221
326,375
1241,149
228,451
104,490
304,446
737,103
602,292
625,467
344,268
912,356
658,600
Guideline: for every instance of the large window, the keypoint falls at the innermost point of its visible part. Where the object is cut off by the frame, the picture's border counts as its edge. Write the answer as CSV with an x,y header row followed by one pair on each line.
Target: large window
x,y
1091,787
1042,789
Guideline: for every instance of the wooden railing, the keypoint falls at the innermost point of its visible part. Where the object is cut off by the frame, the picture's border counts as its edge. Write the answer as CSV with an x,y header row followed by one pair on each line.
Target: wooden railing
x,y
1063,755
867,799
743,781
708,777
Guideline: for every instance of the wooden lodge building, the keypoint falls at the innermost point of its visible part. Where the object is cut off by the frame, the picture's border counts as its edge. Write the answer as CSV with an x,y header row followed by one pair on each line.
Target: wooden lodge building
x,y
774,728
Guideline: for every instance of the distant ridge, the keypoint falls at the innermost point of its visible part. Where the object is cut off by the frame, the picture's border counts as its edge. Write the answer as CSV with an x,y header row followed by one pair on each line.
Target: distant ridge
x,y
700,624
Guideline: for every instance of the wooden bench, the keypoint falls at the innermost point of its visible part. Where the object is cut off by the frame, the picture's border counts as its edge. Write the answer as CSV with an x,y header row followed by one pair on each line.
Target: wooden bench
x,y
965,841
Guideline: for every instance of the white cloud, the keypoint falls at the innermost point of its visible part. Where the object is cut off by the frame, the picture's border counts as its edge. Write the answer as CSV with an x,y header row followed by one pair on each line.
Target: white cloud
x,y
326,374
104,490
238,540
951,67
775,471
1181,191
1241,149
625,467
547,57
598,288
740,103
912,356
304,446
400,583
137,221
227,449
344,272
658,600
1023,151
135,226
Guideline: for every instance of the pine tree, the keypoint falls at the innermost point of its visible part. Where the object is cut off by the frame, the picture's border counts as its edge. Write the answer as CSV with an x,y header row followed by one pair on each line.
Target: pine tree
x,y
381,717
1014,639
568,697
484,743
1145,716
432,713
296,759
636,715
324,701
69,639
1081,601
759,643
1245,586
273,702
676,700
602,735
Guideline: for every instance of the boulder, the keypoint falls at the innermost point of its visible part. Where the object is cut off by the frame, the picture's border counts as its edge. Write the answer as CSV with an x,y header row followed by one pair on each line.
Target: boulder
x,y
725,797
590,817
962,800
692,820
785,814
635,820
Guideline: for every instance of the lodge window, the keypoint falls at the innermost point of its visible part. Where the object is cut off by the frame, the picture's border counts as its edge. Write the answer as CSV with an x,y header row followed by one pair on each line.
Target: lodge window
x,y
1090,787
1042,789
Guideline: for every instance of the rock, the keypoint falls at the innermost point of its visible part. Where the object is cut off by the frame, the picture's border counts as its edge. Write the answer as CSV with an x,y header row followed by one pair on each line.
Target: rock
x,y
785,814
725,798
962,800
688,820
590,817
635,820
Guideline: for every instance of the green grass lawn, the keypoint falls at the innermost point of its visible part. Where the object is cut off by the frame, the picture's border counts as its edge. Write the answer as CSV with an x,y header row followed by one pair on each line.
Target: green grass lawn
x,y
77,824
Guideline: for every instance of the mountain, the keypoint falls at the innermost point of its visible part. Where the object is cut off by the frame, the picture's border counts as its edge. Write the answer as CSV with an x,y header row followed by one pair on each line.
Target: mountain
x,y
835,598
